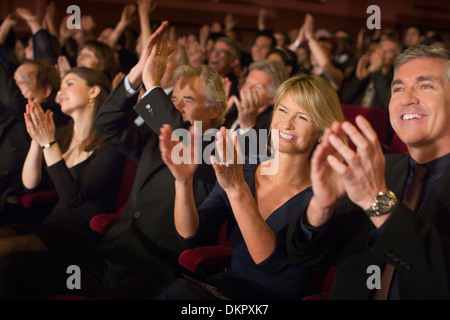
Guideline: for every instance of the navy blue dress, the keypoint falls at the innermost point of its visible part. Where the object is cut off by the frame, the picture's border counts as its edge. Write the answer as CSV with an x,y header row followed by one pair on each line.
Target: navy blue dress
x,y
274,278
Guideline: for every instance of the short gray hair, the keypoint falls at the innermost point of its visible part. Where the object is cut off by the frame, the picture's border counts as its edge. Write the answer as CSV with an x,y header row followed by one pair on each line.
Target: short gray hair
x,y
214,91
234,50
423,51
273,69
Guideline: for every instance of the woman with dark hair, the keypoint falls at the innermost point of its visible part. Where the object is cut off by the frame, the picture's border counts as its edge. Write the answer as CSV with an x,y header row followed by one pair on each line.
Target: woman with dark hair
x,y
83,169
286,57
95,55
99,56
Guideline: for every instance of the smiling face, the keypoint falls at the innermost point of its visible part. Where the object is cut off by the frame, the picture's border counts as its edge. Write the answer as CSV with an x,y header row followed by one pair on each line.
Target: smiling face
x,y
420,105
220,58
297,132
189,99
73,94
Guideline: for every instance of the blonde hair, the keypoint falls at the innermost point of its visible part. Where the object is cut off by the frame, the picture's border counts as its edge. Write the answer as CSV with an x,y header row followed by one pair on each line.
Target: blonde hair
x,y
316,96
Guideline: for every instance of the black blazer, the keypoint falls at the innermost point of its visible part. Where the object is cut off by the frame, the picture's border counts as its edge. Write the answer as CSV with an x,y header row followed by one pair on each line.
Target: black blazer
x,y
144,240
416,244
353,91
14,138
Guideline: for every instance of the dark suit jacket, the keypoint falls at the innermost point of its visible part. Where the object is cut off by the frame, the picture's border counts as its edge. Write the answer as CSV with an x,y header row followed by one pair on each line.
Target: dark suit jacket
x,y
14,138
416,244
354,90
144,240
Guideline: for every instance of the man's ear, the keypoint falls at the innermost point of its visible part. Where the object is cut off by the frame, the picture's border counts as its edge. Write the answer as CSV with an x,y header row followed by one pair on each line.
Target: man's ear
x,y
216,109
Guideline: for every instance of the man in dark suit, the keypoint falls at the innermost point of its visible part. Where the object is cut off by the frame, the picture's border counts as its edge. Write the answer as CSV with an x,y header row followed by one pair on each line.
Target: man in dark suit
x,y
376,229
138,254
370,85
33,80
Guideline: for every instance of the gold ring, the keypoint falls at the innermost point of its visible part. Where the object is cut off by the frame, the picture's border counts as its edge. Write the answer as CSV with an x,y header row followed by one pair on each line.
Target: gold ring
x,y
158,53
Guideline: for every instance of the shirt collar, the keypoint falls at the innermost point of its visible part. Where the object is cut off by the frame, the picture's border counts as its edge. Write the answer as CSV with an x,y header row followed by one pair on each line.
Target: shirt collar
x,y
435,168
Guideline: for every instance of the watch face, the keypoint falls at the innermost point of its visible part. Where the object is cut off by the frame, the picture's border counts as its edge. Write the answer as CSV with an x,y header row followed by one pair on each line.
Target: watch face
x,y
384,204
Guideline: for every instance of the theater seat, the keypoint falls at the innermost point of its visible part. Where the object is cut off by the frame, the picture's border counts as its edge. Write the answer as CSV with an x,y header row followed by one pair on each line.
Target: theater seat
x,y
205,260
39,198
397,146
323,282
377,117
100,223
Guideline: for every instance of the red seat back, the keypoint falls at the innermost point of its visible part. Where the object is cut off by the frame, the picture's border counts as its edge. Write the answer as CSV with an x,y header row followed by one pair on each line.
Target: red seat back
x,y
129,173
397,146
101,222
377,117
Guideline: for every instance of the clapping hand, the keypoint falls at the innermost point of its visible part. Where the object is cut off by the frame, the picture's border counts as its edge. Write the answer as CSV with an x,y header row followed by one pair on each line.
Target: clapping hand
x,y
336,169
362,173
155,65
228,164
183,171
248,106
40,124
135,76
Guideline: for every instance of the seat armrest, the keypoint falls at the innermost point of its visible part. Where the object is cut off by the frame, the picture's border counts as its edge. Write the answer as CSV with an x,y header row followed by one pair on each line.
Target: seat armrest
x,y
207,256
101,222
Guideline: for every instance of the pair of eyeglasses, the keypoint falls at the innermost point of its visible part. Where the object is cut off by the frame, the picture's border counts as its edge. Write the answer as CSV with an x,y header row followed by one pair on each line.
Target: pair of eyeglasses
x,y
221,53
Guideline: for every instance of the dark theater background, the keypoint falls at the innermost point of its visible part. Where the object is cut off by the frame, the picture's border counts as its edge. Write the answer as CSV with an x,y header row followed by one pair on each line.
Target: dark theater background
x,y
282,15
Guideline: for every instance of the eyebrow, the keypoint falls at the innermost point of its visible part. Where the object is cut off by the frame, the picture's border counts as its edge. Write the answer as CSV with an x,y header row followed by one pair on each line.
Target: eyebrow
x,y
418,79
298,112
68,79
426,78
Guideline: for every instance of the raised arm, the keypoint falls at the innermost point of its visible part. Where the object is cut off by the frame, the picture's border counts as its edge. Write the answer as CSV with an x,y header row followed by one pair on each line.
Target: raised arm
x,y
185,212
145,8
325,183
41,128
333,74
259,238
126,19
42,40
136,73
112,120
155,106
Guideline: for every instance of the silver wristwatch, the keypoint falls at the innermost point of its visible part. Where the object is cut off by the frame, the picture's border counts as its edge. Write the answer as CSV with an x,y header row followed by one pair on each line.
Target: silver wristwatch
x,y
382,204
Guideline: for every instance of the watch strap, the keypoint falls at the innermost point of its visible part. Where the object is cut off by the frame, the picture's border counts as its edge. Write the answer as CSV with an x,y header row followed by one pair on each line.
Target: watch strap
x,y
48,145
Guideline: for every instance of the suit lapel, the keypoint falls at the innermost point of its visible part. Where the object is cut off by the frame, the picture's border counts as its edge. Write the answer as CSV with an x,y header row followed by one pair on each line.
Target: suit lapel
x,y
438,200
149,162
396,173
